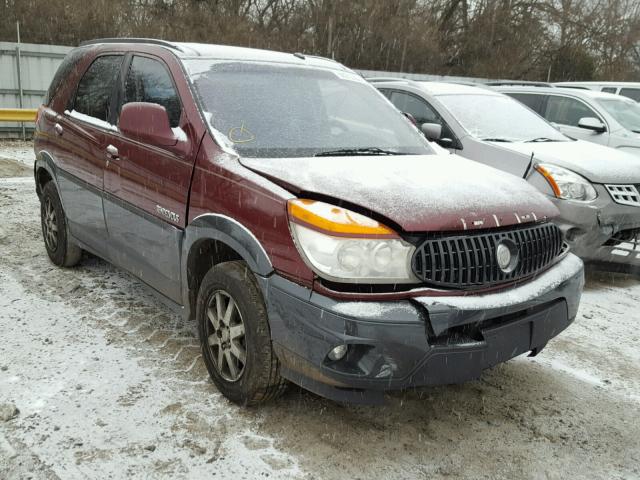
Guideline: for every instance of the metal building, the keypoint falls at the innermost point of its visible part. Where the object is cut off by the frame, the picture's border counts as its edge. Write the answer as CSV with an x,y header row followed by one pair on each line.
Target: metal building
x,y
26,69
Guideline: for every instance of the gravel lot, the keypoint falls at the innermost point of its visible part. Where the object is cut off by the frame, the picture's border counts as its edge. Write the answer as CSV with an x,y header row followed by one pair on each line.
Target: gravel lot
x,y
110,384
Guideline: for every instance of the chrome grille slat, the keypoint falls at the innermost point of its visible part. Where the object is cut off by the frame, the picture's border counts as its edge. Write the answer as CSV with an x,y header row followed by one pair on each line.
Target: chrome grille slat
x,y
469,259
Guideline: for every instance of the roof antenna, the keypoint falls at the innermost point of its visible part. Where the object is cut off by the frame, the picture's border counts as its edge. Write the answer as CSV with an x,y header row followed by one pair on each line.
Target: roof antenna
x,y
528,170
299,55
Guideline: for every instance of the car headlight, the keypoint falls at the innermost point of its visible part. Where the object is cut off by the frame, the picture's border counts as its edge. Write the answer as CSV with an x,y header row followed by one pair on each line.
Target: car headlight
x,y
344,246
567,184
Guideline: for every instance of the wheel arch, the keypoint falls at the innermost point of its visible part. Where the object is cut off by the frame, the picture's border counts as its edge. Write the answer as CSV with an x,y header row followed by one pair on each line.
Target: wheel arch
x,y
44,171
211,239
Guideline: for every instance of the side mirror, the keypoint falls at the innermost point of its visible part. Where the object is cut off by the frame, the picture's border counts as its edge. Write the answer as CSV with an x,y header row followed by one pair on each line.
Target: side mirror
x,y
148,123
592,123
431,130
446,142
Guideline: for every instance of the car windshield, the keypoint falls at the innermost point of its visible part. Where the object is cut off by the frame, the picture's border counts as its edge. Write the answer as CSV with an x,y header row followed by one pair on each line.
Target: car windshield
x,y
279,110
626,112
499,118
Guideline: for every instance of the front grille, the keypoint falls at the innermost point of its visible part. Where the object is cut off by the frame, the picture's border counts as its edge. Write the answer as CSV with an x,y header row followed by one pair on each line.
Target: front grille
x,y
469,259
624,194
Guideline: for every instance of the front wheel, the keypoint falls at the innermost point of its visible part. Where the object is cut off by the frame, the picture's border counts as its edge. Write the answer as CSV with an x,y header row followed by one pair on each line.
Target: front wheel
x,y
235,337
60,249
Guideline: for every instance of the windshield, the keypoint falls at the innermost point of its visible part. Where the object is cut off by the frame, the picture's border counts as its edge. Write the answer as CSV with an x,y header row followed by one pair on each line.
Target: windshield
x,y
277,110
499,118
626,112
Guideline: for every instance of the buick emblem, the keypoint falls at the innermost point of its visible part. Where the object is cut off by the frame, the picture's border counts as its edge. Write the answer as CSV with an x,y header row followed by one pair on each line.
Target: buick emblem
x,y
507,256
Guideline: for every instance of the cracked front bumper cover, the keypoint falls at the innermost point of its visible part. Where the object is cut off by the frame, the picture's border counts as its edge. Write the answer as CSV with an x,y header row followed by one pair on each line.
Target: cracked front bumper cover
x,y
591,228
396,345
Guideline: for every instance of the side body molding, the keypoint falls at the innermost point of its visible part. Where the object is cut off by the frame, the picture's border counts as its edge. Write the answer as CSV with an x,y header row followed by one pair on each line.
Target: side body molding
x,y
226,230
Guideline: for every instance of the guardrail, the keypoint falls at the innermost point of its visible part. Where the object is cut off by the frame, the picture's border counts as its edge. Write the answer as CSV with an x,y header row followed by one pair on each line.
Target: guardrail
x,y
18,114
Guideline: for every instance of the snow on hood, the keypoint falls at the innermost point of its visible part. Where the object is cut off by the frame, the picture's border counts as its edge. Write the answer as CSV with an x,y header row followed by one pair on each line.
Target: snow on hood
x,y
417,192
595,162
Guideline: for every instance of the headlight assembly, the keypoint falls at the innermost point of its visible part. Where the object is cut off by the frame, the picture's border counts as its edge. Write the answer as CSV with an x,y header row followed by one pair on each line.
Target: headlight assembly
x,y
566,184
344,246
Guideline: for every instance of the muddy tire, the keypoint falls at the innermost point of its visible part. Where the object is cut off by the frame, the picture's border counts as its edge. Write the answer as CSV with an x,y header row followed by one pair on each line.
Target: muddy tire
x,y
60,249
234,335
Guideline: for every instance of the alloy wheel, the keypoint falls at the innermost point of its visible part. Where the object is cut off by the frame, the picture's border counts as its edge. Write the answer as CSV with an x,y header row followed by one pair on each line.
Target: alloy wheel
x,y
50,225
226,335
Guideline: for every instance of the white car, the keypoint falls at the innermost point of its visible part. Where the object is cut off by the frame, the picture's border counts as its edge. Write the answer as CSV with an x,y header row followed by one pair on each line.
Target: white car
x,y
597,117
626,89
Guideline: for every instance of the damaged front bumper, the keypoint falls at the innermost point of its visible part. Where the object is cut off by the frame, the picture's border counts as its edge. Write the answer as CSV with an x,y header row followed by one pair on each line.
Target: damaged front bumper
x,y
396,345
601,231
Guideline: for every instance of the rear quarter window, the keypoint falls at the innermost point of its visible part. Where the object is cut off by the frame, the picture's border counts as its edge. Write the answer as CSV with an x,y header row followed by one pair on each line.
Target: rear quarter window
x,y
66,68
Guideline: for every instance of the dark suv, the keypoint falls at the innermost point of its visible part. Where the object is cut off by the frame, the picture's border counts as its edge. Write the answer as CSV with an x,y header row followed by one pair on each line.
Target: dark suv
x,y
309,228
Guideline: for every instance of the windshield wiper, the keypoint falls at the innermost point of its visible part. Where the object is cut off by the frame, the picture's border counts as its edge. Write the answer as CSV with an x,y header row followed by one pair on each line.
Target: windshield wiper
x,y
541,139
506,140
345,152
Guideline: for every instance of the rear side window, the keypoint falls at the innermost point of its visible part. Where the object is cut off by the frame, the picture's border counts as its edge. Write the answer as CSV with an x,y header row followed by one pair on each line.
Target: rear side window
x,y
93,97
149,81
414,106
609,89
632,93
533,101
567,111
62,74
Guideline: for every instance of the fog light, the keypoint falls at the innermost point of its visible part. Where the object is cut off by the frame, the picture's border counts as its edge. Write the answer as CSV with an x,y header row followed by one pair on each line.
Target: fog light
x,y
338,353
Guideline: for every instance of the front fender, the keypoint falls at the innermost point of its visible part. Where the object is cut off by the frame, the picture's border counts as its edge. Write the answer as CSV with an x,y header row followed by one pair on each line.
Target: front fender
x,y
232,233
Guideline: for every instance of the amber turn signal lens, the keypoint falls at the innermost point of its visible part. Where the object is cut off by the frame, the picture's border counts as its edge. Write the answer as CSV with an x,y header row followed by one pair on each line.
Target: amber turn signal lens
x,y
547,175
332,219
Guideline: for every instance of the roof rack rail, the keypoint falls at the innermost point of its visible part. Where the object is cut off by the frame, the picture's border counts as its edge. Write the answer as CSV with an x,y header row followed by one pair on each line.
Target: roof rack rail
x,y
320,57
468,83
515,83
151,41
387,79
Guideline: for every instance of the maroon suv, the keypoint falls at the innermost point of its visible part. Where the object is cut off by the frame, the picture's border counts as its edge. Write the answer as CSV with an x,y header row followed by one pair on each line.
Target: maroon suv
x,y
307,226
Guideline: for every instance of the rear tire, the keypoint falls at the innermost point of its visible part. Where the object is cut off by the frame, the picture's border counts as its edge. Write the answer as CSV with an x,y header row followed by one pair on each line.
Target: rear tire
x,y
60,249
234,336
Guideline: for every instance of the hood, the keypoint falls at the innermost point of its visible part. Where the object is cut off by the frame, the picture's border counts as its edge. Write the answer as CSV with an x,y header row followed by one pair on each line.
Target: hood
x,y
595,162
418,192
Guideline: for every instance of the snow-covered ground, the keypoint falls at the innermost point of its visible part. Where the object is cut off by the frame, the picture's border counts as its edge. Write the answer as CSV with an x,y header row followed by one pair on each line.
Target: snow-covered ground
x,y
110,384
17,150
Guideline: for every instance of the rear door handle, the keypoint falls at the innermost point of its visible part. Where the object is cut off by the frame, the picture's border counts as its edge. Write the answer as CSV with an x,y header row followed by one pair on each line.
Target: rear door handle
x,y
112,153
58,128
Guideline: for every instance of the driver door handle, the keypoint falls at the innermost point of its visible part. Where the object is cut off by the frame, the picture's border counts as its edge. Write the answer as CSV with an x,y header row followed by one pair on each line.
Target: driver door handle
x,y
112,153
58,128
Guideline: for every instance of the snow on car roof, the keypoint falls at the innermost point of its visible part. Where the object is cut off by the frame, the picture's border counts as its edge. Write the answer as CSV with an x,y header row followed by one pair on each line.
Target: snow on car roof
x,y
570,91
226,52
223,52
444,88
620,84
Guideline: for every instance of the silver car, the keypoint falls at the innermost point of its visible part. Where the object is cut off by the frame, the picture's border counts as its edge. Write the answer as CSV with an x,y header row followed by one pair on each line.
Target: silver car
x,y
596,188
597,117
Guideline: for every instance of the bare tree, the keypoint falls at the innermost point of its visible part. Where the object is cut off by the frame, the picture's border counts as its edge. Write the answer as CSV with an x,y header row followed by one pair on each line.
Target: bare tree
x,y
533,39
